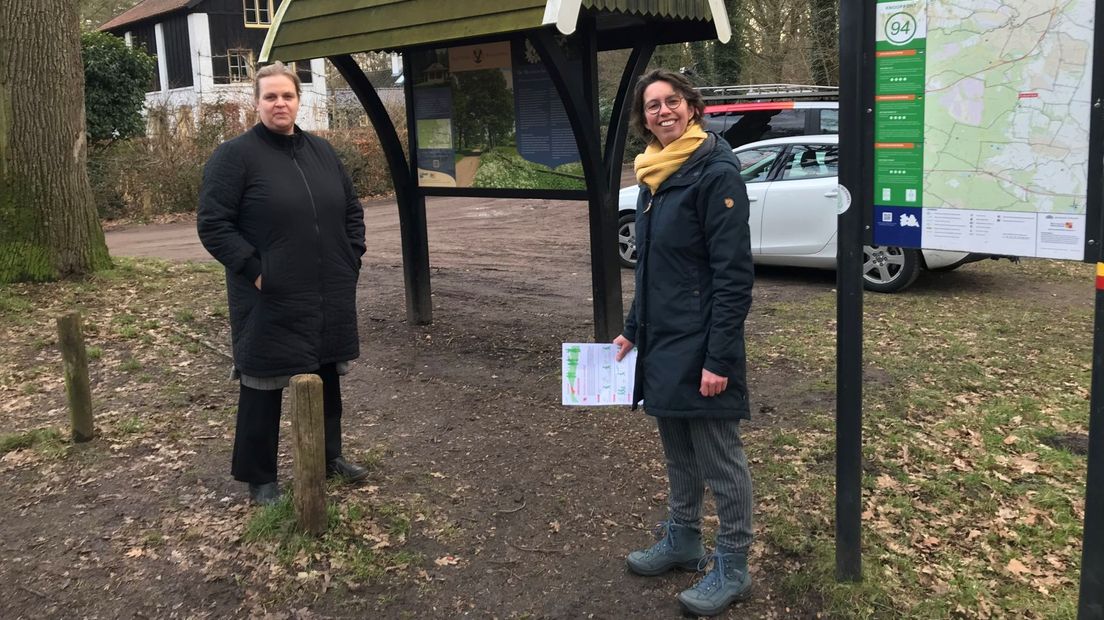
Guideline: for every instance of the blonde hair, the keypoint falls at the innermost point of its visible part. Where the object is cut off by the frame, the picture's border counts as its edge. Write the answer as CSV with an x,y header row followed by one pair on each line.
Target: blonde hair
x,y
276,68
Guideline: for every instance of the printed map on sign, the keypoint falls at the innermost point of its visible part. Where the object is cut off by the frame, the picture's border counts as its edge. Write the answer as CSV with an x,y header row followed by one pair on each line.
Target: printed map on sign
x,y
591,375
982,121
1012,90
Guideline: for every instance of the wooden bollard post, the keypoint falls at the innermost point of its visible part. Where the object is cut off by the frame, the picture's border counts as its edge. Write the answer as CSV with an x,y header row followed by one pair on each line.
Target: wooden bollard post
x,y
71,342
310,453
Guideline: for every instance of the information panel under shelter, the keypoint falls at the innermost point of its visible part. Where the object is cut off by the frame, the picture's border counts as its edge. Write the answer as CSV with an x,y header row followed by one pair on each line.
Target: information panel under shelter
x,y
981,125
489,116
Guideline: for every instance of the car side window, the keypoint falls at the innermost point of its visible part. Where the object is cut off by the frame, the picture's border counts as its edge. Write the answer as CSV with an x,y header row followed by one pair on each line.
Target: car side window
x,y
829,121
786,123
811,161
756,164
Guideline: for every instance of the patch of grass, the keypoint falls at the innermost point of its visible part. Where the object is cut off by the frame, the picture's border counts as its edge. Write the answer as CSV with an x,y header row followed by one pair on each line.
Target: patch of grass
x,y
124,319
12,303
372,458
47,441
185,315
94,353
130,364
396,518
348,543
130,425
969,501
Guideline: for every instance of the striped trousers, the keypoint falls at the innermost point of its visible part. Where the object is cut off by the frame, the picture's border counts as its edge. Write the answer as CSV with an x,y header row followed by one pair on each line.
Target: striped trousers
x,y
709,451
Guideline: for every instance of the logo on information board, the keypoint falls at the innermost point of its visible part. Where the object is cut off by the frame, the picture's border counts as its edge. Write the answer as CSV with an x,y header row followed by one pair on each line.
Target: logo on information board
x,y
729,203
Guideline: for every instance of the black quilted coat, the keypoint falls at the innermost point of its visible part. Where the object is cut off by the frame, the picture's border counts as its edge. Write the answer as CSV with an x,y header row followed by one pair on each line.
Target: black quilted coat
x,y
283,207
694,277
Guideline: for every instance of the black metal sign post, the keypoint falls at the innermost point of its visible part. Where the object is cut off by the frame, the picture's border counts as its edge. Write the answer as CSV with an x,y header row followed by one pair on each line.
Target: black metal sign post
x,y
854,15
1091,602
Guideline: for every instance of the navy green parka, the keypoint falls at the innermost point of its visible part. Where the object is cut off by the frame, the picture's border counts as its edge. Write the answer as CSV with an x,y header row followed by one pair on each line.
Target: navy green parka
x,y
283,207
694,277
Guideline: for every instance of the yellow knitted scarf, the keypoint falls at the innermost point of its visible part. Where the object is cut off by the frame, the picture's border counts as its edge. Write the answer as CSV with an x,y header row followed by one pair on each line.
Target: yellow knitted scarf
x,y
656,163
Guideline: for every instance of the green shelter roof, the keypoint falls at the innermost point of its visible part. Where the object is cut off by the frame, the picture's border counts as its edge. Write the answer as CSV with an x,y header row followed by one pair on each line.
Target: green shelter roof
x,y
319,28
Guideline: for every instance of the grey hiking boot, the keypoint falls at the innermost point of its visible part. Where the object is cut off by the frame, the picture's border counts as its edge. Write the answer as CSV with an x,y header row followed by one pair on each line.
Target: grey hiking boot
x,y
679,546
728,581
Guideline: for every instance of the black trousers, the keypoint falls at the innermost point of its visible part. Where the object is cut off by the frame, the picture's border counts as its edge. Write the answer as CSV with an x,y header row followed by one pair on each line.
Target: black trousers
x,y
257,438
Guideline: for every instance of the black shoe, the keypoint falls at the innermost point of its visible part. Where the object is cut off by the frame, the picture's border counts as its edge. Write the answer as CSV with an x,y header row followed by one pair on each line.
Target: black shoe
x,y
344,470
264,494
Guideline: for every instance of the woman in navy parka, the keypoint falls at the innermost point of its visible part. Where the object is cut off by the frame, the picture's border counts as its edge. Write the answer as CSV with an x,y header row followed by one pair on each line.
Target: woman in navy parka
x,y
694,278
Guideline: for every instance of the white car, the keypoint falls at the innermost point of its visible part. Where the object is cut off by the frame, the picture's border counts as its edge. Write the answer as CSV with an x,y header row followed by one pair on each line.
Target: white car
x,y
792,187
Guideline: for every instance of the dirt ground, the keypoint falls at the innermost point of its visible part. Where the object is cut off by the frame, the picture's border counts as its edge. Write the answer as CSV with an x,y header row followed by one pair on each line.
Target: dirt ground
x,y
532,505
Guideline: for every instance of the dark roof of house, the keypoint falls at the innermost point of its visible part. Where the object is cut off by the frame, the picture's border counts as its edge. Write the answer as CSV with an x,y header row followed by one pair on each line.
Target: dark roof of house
x,y
146,10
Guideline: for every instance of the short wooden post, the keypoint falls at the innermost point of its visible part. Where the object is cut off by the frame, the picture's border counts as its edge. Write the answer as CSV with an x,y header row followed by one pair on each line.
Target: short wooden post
x,y
310,453
71,342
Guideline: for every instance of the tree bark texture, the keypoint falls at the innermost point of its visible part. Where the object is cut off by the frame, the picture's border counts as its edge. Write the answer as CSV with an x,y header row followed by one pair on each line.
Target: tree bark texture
x,y
48,222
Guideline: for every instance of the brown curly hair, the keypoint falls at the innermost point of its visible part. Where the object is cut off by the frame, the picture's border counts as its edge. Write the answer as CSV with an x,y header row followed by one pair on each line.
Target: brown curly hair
x,y
679,83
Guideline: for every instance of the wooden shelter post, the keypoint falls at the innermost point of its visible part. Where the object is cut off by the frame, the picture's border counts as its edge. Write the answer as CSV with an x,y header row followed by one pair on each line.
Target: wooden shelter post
x,y
411,202
619,119
581,105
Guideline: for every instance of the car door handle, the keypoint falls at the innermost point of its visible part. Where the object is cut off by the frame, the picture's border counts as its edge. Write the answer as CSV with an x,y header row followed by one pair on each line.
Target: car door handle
x,y
831,194
753,199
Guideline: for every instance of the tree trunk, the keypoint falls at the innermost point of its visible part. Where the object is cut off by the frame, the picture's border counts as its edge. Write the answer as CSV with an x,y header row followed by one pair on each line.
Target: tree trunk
x,y
48,222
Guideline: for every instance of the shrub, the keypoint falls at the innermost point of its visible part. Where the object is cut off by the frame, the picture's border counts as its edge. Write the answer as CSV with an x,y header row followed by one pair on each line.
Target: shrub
x,y
161,173
360,152
115,81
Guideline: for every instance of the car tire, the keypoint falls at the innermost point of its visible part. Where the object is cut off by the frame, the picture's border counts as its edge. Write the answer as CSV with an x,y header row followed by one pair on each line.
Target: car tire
x,y
888,269
626,240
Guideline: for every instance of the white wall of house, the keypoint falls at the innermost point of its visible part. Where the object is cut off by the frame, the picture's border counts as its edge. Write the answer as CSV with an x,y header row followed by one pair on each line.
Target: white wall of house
x,y
313,111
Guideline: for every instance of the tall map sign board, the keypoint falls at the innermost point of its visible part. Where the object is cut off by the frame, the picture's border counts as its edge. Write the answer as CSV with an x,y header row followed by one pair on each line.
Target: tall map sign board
x,y
981,125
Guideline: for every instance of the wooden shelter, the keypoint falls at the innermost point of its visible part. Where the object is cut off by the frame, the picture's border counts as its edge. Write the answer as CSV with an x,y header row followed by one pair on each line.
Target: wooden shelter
x,y
566,34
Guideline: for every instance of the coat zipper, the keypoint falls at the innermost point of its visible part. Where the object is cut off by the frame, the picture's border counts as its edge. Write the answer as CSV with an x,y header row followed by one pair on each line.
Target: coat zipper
x,y
317,237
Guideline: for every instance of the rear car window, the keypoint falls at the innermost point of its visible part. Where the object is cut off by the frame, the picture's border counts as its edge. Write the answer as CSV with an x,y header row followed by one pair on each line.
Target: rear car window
x,y
740,128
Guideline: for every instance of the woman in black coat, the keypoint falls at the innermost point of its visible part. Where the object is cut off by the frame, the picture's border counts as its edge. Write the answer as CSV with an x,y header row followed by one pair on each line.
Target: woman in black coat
x,y
693,291
279,212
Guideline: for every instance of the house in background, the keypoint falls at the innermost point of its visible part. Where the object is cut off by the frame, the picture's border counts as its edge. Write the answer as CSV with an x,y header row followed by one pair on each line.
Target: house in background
x,y
206,51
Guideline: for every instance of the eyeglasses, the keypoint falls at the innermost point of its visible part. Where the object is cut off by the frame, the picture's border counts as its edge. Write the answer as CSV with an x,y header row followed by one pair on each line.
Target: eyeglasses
x,y
653,107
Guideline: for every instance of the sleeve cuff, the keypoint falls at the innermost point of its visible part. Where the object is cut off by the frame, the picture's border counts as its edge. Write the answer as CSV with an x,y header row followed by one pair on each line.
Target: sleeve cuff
x,y
716,367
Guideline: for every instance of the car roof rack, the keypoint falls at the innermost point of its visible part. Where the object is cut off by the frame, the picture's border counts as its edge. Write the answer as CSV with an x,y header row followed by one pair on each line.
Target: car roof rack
x,y
767,91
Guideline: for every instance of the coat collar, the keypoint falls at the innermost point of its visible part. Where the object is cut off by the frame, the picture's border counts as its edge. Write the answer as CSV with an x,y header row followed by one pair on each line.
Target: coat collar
x,y
280,141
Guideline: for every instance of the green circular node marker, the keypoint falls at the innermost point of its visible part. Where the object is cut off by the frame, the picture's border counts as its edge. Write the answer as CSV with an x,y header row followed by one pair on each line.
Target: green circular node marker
x,y
900,28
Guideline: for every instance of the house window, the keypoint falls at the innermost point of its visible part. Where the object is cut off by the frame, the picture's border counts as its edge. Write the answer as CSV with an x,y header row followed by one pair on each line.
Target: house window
x,y
303,70
239,65
258,13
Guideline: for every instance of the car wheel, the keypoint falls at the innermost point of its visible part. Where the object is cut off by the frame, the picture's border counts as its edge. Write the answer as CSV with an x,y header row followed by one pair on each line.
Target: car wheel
x,y
626,240
888,269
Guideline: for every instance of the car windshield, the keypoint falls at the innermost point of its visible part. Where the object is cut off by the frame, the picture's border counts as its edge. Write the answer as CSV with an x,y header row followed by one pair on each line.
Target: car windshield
x,y
755,164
